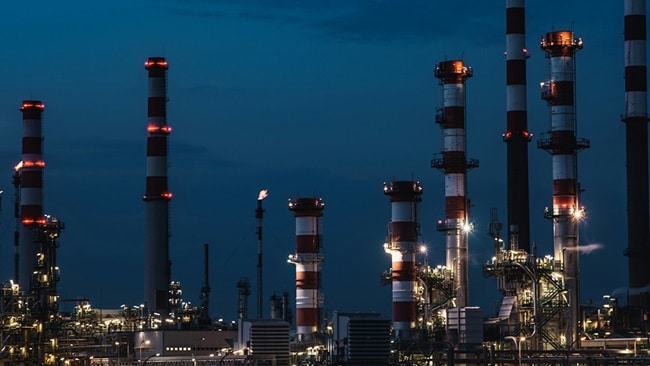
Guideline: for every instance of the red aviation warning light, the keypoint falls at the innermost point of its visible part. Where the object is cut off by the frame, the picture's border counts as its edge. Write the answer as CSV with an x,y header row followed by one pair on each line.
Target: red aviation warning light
x,y
155,62
30,164
164,129
30,221
32,104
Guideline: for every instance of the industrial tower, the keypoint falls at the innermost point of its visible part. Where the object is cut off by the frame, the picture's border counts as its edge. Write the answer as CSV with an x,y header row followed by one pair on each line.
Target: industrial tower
x,y
636,143
157,266
402,245
244,289
566,212
517,136
455,165
308,260
30,170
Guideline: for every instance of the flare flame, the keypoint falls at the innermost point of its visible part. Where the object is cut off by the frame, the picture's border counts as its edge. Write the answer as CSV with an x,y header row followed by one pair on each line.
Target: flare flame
x,y
263,194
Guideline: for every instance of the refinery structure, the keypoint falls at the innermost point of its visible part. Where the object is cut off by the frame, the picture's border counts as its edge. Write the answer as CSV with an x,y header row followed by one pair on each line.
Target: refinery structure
x,y
540,318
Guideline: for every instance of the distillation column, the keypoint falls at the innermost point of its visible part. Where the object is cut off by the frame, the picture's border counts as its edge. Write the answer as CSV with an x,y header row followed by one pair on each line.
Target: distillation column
x,y
244,287
454,165
559,93
517,136
31,191
636,143
307,258
404,230
157,266
204,315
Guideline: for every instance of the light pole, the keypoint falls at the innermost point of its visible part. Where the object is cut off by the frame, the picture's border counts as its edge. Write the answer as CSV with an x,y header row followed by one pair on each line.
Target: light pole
x,y
144,341
521,343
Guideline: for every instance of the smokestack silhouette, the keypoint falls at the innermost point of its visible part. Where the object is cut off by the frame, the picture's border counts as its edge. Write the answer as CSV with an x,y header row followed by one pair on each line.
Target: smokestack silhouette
x,y
517,136
636,143
157,266
204,316
259,215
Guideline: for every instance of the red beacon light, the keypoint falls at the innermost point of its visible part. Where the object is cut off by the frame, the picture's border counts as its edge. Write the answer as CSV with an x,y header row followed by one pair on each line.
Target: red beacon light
x,y
167,195
163,129
32,104
155,61
28,164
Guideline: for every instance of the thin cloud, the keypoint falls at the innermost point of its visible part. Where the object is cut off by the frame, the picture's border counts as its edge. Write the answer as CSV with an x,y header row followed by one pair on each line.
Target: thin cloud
x,y
382,21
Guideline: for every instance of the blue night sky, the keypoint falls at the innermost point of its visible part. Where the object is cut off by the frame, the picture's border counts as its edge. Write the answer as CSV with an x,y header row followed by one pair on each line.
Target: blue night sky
x,y
326,98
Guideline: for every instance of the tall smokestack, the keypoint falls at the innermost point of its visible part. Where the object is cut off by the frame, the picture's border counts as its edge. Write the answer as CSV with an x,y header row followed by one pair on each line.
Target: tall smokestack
x,y
157,266
636,142
559,93
404,230
15,180
259,215
307,258
30,170
517,136
204,316
454,164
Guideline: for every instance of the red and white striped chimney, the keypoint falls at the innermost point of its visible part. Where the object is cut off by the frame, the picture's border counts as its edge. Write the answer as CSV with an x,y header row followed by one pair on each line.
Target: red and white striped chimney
x,y
157,266
454,164
309,299
405,197
30,170
636,144
559,93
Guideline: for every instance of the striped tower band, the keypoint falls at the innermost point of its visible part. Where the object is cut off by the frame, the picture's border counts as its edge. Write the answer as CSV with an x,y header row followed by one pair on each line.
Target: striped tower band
x,y
559,92
517,136
30,170
405,197
636,142
454,164
307,258
157,275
